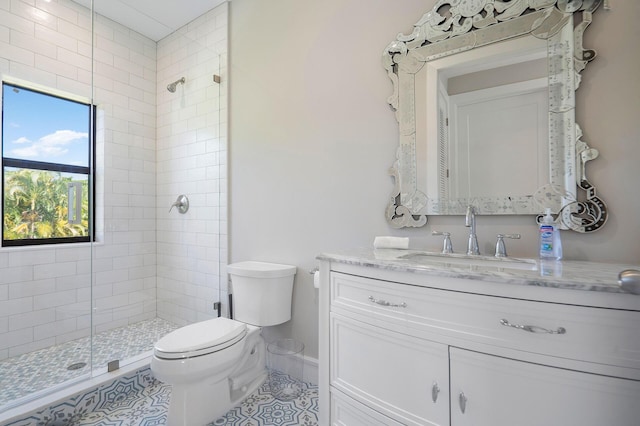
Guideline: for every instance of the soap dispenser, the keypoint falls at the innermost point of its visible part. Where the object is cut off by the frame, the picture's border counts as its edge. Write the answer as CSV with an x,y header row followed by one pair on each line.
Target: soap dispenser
x,y
549,240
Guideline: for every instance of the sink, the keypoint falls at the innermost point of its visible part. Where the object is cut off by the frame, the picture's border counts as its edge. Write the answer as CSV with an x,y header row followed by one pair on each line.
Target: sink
x,y
424,257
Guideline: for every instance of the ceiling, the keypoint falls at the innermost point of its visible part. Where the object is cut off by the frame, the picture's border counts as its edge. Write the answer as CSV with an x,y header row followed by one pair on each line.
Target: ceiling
x,y
155,19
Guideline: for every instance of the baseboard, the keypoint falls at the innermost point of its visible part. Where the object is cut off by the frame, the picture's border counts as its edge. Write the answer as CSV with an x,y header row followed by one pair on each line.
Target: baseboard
x,y
310,370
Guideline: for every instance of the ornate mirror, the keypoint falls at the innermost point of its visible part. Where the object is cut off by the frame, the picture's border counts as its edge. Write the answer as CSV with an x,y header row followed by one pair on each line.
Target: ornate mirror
x,y
484,95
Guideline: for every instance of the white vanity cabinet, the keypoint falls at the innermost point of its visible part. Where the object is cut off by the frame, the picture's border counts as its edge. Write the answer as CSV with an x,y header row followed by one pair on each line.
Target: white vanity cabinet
x,y
406,348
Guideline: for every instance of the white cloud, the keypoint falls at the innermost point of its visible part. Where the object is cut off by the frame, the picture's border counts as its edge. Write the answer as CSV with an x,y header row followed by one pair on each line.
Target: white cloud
x,y
21,140
51,145
62,137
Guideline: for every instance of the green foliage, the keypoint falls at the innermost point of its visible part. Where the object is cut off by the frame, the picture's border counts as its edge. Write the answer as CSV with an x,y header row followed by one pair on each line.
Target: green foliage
x,y
36,205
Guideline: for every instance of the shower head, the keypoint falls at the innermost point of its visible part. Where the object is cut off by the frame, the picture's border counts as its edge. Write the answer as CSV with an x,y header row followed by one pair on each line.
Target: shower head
x,y
172,87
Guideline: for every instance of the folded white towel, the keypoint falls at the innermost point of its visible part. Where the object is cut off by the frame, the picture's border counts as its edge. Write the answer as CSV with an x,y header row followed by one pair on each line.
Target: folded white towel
x,y
391,243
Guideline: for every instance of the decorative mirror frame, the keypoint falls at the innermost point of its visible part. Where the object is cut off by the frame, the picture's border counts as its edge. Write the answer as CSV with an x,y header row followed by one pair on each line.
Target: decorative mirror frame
x,y
473,23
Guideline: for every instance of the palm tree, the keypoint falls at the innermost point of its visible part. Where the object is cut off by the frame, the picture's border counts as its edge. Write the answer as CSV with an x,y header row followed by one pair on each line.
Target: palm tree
x,y
36,206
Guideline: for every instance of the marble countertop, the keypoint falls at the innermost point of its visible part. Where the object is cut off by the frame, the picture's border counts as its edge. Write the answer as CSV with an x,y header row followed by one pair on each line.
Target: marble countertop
x,y
590,276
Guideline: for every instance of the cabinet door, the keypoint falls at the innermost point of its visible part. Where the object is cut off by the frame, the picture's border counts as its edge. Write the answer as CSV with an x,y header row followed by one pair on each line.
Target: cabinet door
x,y
400,376
492,391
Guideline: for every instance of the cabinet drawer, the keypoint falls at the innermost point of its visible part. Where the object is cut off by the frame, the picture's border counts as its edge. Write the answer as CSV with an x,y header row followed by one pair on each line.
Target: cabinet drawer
x,y
400,376
347,412
599,335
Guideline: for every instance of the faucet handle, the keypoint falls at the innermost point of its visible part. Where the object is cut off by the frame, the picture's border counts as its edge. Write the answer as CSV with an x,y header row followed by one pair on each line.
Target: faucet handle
x,y
501,249
447,247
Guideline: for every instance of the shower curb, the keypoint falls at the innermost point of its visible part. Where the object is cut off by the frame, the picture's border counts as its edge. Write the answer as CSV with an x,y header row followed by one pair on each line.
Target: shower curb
x,y
66,411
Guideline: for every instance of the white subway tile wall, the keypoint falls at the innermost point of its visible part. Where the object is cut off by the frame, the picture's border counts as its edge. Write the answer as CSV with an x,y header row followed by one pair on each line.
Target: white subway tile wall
x,y
152,145
191,151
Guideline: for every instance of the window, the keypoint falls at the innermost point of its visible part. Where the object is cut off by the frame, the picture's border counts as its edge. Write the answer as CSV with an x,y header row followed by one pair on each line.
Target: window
x,y
46,168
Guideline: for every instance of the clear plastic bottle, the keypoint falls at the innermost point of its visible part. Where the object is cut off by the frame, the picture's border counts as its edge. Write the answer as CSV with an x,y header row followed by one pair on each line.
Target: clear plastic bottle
x,y
550,243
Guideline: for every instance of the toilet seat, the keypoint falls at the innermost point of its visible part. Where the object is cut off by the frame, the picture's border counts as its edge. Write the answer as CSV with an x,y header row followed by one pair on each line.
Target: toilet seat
x,y
200,338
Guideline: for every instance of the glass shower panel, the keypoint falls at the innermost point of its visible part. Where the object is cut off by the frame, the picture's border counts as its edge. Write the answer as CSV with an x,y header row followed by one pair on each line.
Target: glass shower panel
x,y
191,158
45,257
158,134
125,323
72,310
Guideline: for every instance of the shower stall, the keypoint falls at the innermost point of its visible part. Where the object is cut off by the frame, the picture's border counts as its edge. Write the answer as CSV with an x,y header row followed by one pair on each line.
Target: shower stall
x,y
74,309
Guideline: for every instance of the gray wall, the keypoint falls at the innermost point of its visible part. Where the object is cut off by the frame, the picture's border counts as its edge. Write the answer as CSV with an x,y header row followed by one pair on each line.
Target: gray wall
x,y
312,138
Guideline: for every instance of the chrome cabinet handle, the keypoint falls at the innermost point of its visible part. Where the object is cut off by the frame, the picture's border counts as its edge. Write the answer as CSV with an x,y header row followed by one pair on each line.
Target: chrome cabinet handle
x,y
462,401
533,328
435,390
385,303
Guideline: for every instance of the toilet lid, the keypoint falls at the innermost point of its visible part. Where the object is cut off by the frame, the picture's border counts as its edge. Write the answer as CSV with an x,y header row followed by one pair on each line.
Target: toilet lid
x,y
200,338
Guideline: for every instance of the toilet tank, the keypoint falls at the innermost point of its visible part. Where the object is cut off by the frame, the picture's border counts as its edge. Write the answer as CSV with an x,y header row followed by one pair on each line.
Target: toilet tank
x,y
261,292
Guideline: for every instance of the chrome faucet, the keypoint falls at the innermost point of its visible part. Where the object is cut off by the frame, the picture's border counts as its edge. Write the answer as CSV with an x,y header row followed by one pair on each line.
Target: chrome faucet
x,y
447,247
501,248
470,222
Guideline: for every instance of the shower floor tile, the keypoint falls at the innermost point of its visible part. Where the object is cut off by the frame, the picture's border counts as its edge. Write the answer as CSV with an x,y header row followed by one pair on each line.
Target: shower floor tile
x,y
45,368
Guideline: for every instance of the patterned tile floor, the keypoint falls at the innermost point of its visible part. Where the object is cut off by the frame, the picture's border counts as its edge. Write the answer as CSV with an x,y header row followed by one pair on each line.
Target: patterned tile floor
x,y
149,407
44,368
135,400
140,400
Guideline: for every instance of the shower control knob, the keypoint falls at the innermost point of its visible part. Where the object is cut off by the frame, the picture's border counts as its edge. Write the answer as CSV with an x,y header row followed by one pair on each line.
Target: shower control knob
x,y
182,203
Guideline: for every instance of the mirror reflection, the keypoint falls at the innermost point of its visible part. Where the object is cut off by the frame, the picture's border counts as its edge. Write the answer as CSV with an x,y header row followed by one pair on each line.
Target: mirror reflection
x,y
491,112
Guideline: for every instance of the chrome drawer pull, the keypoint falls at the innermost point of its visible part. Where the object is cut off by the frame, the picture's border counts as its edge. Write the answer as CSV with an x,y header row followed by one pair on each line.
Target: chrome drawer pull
x,y
385,303
435,390
533,328
462,401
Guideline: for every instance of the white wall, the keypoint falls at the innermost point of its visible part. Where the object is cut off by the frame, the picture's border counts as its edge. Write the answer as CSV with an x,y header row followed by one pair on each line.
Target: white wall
x,y
312,138
191,160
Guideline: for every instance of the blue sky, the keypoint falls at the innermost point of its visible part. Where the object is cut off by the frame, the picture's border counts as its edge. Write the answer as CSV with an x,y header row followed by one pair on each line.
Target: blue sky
x,y
44,128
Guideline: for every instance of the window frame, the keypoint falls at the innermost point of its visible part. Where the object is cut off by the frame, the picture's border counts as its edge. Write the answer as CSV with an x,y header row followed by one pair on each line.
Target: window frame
x,y
89,170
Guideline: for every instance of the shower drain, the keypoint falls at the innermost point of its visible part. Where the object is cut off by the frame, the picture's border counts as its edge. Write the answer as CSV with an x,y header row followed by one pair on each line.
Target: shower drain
x,y
76,366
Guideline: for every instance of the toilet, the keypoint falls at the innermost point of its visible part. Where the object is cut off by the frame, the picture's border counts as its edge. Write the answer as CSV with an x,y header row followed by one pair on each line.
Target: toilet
x,y
214,364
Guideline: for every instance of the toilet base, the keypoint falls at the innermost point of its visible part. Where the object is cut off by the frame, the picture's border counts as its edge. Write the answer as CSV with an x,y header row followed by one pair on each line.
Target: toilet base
x,y
239,395
202,402
198,404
